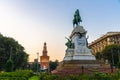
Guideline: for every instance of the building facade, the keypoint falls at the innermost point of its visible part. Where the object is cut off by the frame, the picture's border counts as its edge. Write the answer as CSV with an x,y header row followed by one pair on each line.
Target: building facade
x,y
107,39
44,59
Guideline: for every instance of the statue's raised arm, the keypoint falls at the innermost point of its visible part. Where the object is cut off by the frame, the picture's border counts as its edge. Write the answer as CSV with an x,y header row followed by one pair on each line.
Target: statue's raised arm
x,y
77,18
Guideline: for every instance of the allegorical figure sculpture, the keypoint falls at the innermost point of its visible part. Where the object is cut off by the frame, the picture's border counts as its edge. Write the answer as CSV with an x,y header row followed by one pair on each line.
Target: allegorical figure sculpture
x,y
77,18
69,44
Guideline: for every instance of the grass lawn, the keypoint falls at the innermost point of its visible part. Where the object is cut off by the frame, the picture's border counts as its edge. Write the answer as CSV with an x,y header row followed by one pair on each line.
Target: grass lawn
x,y
34,78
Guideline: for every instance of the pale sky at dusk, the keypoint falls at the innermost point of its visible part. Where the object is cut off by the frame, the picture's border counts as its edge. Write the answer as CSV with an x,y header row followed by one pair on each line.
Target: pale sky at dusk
x,y
33,22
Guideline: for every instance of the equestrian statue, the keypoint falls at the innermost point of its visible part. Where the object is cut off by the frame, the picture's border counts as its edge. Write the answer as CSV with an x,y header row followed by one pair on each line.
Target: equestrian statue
x,y
77,18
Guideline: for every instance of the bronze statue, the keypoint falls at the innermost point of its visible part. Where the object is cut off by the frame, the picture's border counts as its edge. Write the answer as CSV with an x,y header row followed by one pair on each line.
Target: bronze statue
x,y
77,18
69,44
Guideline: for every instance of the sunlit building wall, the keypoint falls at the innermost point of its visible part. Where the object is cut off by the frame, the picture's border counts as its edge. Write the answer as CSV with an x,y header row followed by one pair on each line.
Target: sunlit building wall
x,y
107,39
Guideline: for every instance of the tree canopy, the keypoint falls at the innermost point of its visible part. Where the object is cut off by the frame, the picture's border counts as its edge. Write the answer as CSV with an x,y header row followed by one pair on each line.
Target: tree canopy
x,y
10,48
112,53
53,64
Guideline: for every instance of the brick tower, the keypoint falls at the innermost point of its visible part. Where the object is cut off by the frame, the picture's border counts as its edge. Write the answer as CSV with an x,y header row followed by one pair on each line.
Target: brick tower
x,y
44,59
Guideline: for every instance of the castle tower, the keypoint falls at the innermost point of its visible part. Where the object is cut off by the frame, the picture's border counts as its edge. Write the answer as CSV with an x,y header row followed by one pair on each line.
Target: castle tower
x,y
44,59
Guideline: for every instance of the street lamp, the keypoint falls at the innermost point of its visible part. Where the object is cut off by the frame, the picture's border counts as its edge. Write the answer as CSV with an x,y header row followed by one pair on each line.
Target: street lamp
x,y
118,56
112,57
112,61
37,61
11,53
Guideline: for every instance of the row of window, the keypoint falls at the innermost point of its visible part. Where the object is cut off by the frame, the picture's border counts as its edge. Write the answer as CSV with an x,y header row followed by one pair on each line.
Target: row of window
x,y
98,47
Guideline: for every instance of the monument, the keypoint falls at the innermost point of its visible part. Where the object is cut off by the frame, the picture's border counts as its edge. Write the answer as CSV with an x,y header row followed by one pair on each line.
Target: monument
x,y
77,45
78,57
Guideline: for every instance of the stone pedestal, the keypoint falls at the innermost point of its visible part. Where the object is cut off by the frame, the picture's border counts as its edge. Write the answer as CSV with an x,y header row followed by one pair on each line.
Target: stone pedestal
x,y
80,50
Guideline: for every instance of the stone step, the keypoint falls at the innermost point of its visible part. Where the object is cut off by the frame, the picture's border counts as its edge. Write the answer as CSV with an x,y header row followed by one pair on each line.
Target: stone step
x,y
81,62
84,70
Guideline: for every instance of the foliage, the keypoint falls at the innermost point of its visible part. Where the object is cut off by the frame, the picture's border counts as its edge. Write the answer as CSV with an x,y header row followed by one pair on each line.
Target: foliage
x,y
10,47
45,76
53,64
9,66
34,78
107,76
27,74
112,53
17,75
98,55
96,76
102,76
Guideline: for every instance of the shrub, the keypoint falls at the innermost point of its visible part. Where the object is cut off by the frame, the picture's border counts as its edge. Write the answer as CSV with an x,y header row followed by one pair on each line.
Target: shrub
x,y
17,75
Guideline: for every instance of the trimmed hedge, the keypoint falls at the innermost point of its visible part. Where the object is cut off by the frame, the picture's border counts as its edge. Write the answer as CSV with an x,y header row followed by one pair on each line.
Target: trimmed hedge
x,y
17,75
96,76
13,78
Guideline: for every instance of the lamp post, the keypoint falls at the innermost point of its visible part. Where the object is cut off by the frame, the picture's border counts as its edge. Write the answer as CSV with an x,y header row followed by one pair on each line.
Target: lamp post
x,y
112,60
118,56
37,61
112,57
11,53
118,59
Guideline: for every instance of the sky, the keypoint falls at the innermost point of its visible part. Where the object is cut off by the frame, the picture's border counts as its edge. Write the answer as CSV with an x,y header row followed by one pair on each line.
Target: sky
x,y
33,22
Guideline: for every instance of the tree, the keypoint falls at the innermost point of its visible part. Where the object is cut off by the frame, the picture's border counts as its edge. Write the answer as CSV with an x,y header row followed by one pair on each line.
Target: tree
x,y
9,66
10,47
98,56
53,65
33,66
112,53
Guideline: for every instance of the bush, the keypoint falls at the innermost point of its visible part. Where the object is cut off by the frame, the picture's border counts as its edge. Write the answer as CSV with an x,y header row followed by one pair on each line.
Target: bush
x,y
17,75
96,76
105,76
45,76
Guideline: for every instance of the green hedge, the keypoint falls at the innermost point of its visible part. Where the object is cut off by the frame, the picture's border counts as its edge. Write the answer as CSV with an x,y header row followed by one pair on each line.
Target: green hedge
x,y
96,76
17,75
13,78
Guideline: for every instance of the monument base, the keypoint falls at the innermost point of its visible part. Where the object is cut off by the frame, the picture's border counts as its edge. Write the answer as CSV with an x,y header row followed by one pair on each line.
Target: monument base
x,y
84,57
81,57
81,63
80,67
85,54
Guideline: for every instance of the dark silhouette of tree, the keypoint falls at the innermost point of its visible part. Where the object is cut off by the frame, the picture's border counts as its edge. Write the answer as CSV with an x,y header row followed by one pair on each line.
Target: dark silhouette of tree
x,y
98,56
9,66
11,48
53,65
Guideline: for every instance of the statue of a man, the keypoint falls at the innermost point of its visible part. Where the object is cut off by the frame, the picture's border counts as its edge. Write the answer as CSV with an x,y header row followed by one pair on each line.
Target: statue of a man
x,y
69,44
77,18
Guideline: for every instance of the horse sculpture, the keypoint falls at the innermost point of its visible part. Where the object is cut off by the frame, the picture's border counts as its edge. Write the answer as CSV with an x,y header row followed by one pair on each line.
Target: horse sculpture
x,y
77,18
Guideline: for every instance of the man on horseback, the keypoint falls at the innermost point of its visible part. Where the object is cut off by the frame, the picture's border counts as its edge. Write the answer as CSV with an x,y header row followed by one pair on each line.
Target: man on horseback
x,y
77,18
